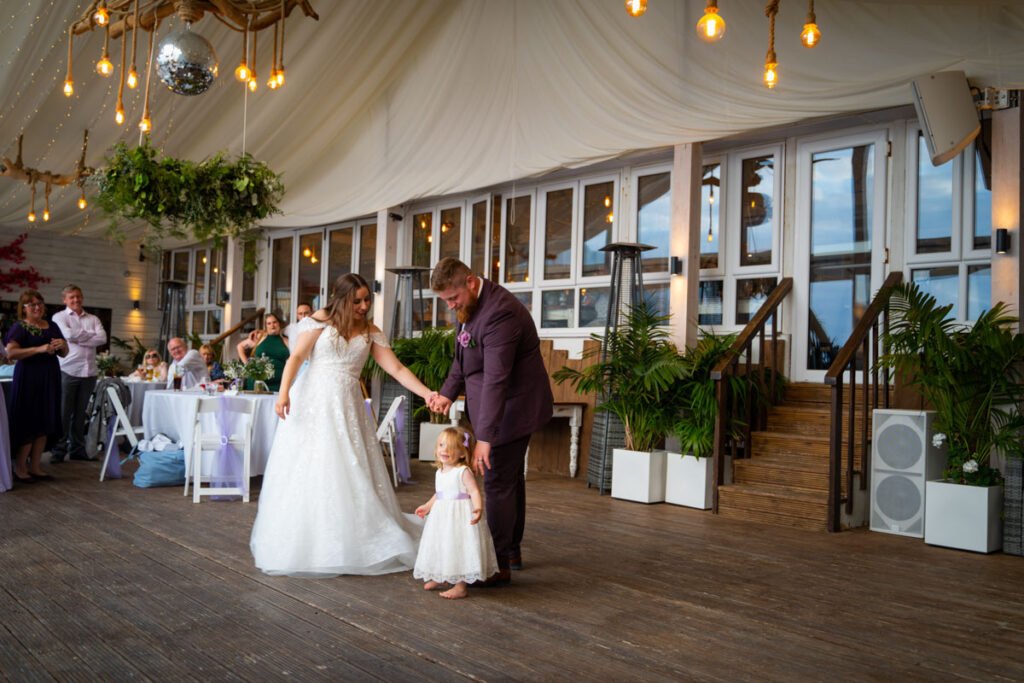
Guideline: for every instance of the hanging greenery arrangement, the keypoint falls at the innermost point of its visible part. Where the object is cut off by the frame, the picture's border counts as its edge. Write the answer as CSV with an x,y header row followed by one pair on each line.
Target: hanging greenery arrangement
x,y
207,200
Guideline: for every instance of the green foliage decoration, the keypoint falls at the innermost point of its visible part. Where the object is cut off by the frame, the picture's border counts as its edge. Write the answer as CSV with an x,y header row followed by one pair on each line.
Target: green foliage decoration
x,y
208,200
636,380
973,377
135,349
428,356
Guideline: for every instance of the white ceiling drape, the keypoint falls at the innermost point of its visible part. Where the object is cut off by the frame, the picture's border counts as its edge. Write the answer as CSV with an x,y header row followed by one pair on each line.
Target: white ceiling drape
x,y
392,100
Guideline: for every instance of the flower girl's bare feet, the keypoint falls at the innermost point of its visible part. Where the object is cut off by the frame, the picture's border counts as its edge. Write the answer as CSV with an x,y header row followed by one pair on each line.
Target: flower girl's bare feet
x,y
456,592
432,585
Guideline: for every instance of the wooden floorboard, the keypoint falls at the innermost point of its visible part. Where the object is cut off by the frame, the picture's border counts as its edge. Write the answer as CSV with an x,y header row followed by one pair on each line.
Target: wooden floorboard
x,y
110,582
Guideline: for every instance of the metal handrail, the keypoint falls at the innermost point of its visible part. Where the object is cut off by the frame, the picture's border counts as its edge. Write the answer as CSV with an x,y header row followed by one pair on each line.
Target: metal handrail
x,y
864,338
756,411
258,314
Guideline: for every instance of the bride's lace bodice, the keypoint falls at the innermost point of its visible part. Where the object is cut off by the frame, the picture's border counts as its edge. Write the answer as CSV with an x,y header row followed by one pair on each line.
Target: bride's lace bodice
x,y
333,354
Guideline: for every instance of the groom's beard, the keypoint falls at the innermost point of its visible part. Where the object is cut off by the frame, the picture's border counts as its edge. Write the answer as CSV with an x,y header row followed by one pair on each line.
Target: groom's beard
x,y
464,314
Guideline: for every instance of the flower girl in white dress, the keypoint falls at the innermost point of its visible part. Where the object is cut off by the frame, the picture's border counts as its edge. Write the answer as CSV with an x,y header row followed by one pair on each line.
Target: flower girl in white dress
x,y
456,547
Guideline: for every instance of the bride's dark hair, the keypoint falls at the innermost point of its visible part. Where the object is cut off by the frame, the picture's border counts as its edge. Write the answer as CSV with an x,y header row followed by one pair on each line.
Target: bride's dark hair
x,y
339,306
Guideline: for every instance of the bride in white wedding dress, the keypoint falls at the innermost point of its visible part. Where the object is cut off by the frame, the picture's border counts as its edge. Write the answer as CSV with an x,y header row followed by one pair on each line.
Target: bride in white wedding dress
x,y
327,506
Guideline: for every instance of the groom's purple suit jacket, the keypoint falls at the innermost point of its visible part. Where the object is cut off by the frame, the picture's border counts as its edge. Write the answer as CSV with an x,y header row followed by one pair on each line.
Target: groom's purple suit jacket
x,y
508,395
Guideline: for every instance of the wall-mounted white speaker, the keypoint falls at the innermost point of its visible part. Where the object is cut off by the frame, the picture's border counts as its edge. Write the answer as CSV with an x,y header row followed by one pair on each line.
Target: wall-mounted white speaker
x,y
902,460
946,112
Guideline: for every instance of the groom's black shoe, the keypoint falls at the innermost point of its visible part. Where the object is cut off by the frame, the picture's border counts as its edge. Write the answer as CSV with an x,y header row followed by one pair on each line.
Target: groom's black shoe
x,y
502,578
515,561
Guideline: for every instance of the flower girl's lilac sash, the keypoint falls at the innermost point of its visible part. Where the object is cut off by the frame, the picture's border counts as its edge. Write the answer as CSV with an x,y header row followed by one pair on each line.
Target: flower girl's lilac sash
x,y
458,496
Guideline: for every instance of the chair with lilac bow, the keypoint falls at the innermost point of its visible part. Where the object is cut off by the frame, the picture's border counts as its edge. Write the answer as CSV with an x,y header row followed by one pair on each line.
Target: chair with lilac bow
x,y
223,427
387,434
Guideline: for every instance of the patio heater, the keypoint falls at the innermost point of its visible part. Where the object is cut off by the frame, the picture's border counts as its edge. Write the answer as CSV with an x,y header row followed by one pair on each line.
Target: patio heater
x,y
626,291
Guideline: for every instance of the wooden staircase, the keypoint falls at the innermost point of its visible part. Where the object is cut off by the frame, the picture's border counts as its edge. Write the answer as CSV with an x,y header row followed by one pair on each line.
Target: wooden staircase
x,y
785,481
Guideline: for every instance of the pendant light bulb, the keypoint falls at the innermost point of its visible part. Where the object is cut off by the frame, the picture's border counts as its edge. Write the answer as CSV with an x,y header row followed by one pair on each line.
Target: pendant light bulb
x,y
771,75
272,81
69,88
280,77
101,16
811,34
82,203
242,73
636,8
104,67
132,79
252,84
145,125
46,215
31,216
711,26
119,115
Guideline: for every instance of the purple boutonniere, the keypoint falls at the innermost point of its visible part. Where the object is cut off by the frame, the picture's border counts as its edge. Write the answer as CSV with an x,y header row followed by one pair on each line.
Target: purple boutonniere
x,y
465,339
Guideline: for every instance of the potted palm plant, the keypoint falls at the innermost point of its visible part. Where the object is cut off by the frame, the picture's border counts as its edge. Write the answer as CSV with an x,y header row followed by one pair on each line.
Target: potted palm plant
x,y
973,377
688,479
635,382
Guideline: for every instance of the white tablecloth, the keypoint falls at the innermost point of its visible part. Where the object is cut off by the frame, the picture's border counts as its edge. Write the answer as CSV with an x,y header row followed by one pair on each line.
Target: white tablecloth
x,y
139,390
172,413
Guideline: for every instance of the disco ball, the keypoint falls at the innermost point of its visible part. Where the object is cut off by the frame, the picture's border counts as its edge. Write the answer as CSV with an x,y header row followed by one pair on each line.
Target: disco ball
x,y
186,63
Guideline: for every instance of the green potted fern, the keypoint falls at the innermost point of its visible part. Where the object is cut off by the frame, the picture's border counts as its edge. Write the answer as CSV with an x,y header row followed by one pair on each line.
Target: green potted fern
x,y
973,378
635,382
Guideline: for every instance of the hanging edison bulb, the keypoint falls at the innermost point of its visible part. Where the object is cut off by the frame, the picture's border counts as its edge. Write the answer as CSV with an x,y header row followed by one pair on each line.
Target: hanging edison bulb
x,y
32,210
81,201
711,26
811,34
119,115
69,88
242,72
69,83
104,67
132,80
771,74
31,216
280,76
607,201
46,215
146,124
101,16
636,8
252,84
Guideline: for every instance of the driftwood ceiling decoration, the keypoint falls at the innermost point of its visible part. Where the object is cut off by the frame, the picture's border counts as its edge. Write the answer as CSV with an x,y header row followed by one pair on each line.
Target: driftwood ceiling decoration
x,y
18,171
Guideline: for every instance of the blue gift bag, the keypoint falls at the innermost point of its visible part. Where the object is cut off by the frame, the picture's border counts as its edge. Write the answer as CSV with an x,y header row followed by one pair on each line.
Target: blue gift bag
x,y
160,468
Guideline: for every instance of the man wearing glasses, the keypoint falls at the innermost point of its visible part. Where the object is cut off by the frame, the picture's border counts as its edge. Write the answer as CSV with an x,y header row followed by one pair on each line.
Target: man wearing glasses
x,y
186,364
83,332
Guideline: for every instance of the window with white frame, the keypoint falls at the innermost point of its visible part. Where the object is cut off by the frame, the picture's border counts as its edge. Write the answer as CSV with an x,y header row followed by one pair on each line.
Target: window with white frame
x,y
740,265
948,241
202,269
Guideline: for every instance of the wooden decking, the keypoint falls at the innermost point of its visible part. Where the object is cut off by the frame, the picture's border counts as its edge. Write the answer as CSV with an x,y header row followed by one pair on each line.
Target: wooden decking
x,y
109,582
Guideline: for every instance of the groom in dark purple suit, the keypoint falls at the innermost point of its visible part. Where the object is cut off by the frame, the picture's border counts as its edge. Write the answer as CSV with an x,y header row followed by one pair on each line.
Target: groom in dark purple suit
x,y
508,396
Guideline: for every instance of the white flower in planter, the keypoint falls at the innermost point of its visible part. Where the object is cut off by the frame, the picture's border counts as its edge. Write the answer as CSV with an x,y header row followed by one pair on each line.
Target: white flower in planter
x,y
938,439
971,466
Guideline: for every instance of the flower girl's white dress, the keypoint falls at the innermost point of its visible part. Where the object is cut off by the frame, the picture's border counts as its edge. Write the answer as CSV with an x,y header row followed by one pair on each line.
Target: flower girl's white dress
x,y
452,549
327,506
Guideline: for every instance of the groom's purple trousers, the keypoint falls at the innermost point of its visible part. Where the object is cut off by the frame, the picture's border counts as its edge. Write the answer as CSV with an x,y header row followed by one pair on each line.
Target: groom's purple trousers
x,y
505,498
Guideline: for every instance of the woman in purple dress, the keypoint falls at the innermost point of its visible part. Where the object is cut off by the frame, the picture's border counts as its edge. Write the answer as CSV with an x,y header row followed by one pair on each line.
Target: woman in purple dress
x,y
35,393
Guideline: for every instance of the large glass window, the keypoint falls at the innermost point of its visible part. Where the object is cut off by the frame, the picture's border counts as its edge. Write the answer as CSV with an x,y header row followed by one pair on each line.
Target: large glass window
x,y
281,277
451,232
934,203
517,239
368,251
949,248
340,261
710,194
557,308
478,238
558,235
654,219
311,253
841,196
422,237
756,205
598,221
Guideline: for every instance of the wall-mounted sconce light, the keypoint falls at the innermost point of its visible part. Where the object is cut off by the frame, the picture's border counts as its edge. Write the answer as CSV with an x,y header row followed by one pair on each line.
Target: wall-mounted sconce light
x,y
396,217
376,287
136,305
1002,240
675,265
142,254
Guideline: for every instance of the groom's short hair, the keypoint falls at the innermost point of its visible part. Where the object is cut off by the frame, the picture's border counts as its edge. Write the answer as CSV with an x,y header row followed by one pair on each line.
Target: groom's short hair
x,y
449,272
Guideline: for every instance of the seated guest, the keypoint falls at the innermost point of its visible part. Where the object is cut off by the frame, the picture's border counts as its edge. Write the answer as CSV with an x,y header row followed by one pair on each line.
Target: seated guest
x,y
187,364
213,367
153,368
267,342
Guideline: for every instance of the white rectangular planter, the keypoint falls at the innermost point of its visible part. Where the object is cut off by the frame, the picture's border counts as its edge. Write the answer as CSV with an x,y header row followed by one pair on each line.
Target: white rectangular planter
x,y
428,439
638,475
964,517
688,481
